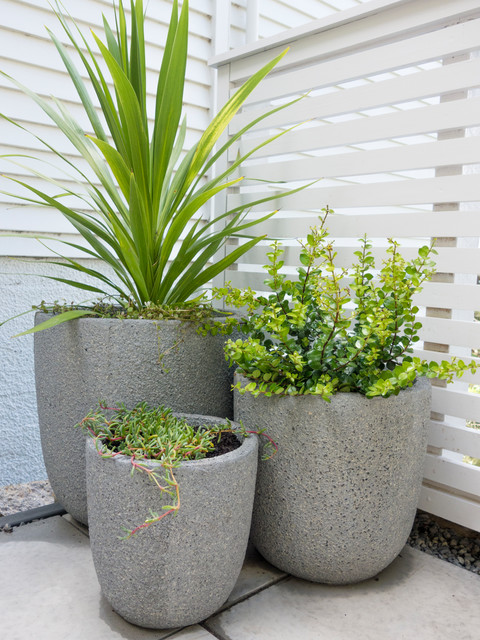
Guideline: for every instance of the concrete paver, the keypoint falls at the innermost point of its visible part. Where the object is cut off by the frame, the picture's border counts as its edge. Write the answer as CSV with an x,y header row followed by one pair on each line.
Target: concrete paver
x,y
50,590
416,597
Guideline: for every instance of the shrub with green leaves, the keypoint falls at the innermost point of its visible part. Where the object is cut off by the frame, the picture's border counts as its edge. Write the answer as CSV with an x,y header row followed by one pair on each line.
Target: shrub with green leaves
x,y
145,433
334,329
138,202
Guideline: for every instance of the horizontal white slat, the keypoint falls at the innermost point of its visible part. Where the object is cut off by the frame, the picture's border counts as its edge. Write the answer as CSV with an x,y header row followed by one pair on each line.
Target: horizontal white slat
x,y
22,246
437,224
433,118
45,83
456,508
457,475
450,296
459,38
400,157
448,260
73,201
326,39
464,188
420,224
464,440
33,219
40,54
453,332
425,84
23,109
19,218
33,16
456,403
14,141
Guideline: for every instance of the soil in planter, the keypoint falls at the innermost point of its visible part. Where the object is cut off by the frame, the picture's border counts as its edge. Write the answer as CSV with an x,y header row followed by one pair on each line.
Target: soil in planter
x,y
228,442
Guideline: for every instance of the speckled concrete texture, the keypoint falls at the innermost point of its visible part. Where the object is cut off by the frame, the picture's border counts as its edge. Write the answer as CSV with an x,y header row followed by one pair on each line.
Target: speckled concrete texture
x,y
337,502
182,569
83,361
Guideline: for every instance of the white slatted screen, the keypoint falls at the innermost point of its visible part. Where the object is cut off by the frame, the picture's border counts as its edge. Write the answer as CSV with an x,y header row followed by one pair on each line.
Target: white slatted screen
x,y
270,17
389,125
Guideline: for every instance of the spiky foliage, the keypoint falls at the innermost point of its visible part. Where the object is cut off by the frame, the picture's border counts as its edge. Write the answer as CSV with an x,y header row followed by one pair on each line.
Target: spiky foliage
x,y
141,199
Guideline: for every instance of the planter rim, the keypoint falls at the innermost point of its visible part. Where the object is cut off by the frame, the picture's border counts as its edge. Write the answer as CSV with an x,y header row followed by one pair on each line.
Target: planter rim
x,y
244,449
217,315
420,383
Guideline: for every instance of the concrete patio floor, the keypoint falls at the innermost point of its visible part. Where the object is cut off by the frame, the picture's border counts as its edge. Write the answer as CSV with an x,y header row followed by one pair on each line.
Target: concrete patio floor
x,y
49,591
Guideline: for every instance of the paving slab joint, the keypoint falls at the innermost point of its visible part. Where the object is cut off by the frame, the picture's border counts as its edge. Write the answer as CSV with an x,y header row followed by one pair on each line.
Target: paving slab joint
x,y
247,596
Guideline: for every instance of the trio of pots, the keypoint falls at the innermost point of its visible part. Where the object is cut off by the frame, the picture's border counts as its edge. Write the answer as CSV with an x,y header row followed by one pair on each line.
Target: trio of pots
x,y
335,504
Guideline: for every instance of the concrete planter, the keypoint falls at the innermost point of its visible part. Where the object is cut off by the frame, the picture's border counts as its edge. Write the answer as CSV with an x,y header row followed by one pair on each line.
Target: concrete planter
x,y
337,502
90,359
180,570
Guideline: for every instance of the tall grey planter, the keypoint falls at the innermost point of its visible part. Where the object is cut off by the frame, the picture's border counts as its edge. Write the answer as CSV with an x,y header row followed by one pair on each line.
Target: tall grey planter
x,y
182,569
337,502
118,361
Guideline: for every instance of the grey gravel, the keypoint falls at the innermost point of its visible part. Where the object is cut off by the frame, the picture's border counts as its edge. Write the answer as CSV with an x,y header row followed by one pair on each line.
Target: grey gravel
x,y
429,534
21,497
455,544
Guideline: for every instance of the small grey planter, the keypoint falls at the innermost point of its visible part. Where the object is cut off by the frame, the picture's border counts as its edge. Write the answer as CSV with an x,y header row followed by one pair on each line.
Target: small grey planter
x,y
337,502
182,569
90,359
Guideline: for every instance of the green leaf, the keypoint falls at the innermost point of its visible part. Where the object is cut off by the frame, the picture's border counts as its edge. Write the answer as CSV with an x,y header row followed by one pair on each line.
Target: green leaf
x,y
66,316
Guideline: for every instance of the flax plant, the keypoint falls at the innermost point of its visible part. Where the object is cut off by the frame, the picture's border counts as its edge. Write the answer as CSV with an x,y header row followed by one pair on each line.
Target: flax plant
x,y
138,207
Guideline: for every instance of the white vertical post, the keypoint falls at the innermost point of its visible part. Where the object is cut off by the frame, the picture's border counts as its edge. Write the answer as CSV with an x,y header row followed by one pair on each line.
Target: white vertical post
x,y
221,25
253,15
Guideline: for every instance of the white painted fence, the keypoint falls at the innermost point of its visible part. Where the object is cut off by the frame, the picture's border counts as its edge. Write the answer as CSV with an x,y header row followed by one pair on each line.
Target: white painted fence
x,y
244,21
389,124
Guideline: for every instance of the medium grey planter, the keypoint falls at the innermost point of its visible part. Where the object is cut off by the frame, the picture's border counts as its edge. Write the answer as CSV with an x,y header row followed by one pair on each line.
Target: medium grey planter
x,y
337,502
90,359
182,569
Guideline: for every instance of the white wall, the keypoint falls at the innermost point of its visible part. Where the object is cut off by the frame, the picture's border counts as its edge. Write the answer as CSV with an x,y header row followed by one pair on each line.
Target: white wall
x,y
20,453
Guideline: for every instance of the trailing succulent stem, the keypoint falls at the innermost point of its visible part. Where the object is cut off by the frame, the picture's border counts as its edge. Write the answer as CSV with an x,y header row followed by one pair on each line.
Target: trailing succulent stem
x,y
145,433
334,329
